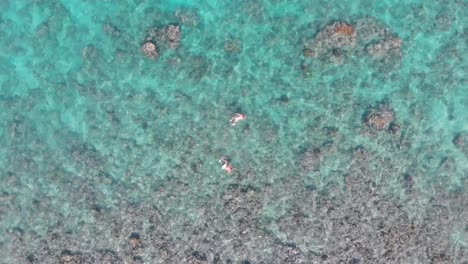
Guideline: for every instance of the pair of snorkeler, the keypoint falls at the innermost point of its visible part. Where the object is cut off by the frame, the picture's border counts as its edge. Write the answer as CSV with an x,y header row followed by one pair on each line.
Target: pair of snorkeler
x,y
225,165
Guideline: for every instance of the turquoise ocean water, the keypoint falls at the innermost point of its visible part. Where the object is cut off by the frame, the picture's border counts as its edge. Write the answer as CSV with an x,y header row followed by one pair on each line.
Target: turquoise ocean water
x,y
96,138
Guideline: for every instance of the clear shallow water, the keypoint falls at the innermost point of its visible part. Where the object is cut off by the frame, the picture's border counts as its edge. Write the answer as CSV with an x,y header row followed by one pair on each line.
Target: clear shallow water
x,y
94,132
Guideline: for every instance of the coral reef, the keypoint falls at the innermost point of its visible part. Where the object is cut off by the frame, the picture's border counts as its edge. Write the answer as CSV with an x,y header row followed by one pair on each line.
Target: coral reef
x,y
172,35
461,142
308,53
311,158
333,40
232,46
338,35
111,30
386,48
109,160
359,223
379,116
344,29
149,49
167,36
160,39
369,30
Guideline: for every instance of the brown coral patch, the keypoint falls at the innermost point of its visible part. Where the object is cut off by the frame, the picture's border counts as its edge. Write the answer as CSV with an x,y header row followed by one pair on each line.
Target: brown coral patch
x,y
379,117
379,120
344,29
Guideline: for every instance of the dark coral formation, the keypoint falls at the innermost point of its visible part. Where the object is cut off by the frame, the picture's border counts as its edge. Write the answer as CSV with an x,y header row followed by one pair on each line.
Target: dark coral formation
x,y
160,39
172,35
310,160
149,49
308,53
379,117
394,128
111,30
461,142
338,35
134,240
444,21
386,48
365,35
167,36
359,223
369,30
377,40
99,256
355,223
232,46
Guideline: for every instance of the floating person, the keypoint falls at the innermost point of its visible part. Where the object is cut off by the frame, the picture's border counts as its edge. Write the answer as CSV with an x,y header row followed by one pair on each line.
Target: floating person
x,y
236,118
226,166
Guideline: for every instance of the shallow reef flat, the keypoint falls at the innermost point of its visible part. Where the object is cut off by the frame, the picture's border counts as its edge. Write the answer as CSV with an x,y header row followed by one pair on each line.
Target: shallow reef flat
x,y
115,114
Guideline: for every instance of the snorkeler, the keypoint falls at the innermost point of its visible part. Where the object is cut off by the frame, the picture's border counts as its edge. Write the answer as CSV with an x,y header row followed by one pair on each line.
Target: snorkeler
x,y
236,118
226,166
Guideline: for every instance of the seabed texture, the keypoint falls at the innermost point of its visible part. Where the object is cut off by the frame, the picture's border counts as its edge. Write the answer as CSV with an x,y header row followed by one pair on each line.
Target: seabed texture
x,y
114,115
